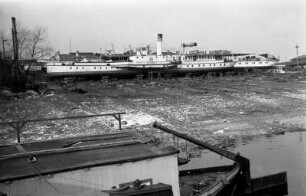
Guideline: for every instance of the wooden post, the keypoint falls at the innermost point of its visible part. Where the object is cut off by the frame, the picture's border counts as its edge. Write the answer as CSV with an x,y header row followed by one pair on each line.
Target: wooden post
x,y
119,119
187,157
16,70
15,40
18,133
3,49
17,126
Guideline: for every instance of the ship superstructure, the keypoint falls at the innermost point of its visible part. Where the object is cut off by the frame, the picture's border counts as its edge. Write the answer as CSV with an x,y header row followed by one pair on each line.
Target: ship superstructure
x,y
142,62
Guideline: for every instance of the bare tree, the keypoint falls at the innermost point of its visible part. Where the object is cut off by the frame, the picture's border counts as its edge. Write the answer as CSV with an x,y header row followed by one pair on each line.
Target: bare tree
x,y
6,41
23,37
35,42
32,45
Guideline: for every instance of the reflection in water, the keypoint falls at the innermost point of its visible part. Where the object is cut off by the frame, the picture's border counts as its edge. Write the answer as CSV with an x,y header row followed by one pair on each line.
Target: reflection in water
x,y
268,155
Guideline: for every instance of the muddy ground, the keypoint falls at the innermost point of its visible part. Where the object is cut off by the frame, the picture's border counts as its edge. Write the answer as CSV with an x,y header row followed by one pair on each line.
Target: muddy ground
x,y
220,110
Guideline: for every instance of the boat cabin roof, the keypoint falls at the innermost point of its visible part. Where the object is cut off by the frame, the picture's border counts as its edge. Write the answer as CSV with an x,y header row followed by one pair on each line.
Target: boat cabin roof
x,y
26,160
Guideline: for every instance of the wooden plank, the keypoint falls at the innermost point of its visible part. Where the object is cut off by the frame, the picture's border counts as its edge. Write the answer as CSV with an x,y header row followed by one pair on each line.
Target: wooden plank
x,y
70,149
62,118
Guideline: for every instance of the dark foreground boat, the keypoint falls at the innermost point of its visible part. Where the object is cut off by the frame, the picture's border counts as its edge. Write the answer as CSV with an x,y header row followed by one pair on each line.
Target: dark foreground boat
x,y
207,181
116,164
229,180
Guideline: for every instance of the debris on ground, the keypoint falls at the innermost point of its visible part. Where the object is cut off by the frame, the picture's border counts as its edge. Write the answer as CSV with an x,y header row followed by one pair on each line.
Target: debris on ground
x,y
221,110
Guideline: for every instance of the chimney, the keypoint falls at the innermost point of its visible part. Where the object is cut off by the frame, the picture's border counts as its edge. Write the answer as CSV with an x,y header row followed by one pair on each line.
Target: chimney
x,y
159,44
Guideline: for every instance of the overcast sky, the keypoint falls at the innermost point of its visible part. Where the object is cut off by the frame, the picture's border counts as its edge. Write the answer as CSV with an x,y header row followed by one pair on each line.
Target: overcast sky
x,y
272,26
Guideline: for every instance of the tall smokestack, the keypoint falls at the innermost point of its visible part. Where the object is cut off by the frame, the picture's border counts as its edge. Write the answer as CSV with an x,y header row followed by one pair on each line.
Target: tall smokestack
x,y
159,44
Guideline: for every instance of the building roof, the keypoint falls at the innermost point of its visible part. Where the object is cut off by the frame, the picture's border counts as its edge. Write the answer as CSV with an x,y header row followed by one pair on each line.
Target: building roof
x,y
55,156
299,57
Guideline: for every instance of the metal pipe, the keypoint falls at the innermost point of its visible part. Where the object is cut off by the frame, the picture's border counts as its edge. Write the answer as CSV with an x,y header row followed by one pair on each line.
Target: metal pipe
x,y
213,148
159,44
297,56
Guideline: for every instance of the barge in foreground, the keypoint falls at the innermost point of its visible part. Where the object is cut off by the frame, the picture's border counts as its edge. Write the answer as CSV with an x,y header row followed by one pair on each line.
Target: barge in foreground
x,y
112,164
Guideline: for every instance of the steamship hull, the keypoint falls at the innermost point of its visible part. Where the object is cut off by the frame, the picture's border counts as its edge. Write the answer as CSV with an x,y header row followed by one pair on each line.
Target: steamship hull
x,y
88,71
130,70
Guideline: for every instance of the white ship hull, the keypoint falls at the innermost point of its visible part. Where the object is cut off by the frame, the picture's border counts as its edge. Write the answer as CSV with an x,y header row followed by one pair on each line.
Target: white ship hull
x,y
87,70
254,64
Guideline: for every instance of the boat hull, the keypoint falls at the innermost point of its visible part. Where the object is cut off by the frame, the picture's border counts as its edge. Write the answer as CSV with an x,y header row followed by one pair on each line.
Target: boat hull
x,y
207,181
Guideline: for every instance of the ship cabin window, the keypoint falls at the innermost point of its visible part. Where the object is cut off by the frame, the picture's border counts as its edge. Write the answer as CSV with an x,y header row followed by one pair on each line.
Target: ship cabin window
x,y
199,65
82,67
260,62
70,67
239,63
253,62
100,67
246,63
187,65
94,67
266,62
191,65
77,68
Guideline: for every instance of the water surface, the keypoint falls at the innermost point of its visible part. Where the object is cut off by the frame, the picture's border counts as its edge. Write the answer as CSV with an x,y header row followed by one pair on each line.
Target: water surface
x,y
268,155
